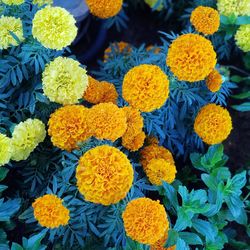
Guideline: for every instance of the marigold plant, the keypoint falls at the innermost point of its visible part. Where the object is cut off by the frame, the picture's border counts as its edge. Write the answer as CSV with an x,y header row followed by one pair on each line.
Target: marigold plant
x,y
242,37
64,81
205,20
68,126
145,87
145,220
214,81
159,245
50,212
191,57
104,8
104,175
135,142
5,149
54,27
213,124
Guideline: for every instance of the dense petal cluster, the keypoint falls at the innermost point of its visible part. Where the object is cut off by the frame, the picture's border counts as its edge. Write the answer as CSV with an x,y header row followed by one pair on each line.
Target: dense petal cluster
x,y
64,81
26,137
134,137
42,2
191,57
104,8
213,124
104,175
119,48
107,121
50,211
5,149
100,92
234,7
14,25
152,4
159,170
13,2
242,37
205,20
54,27
159,245
145,87
214,81
145,220
68,126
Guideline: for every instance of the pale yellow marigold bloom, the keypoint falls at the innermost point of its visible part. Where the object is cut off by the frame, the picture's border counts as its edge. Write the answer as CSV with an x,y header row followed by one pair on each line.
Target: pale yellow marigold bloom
x,y
64,81
234,7
5,149
43,2
7,24
242,37
104,175
50,211
13,2
54,27
145,220
26,137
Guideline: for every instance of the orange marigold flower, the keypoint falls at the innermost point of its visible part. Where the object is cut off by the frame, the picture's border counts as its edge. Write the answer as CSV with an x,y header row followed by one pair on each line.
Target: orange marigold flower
x,y
68,126
205,20
159,170
214,81
107,121
104,8
133,143
213,124
145,220
100,92
191,57
154,151
159,245
145,87
121,47
104,175
152,140
50,212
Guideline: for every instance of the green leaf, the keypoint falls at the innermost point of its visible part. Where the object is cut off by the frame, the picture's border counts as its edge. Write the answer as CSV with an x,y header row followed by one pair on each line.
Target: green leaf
x,y
242,95
205,228
183,219
244,107
8,208
191,238
172,238
181,245
16,246
3,173
2,188
242,20
34,243
237,79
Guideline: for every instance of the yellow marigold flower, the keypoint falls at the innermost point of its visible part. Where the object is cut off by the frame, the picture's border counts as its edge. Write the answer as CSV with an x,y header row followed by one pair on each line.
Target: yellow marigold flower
x,y
104,8
64,81
205,20
7,24
159,170
26,137
145,220
43,2
5,149
135,142
54,27
68,126
242,37
121,47
214,81
50,211
13,2
234,7
145,87
104,175
154,151
100,92
107,121
152,3
159,245
213,124
191,57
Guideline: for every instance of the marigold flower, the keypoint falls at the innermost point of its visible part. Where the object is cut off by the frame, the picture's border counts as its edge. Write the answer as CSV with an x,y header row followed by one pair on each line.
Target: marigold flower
x,y
100,92
104,8
145,220
107,121
242,37
205,20
213,124
26,137
159,170
152,140
135,142
54,27
13,2
50,211
7,24
234,7
145,87
155,49
214,81
68,126
5,149
43,2
154,151
118,48
104,175
152,3
191,57
64,81
159,245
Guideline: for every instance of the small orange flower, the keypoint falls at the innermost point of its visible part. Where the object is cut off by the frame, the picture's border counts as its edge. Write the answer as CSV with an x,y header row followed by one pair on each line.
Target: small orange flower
x,y
118,48
214,81
159,245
